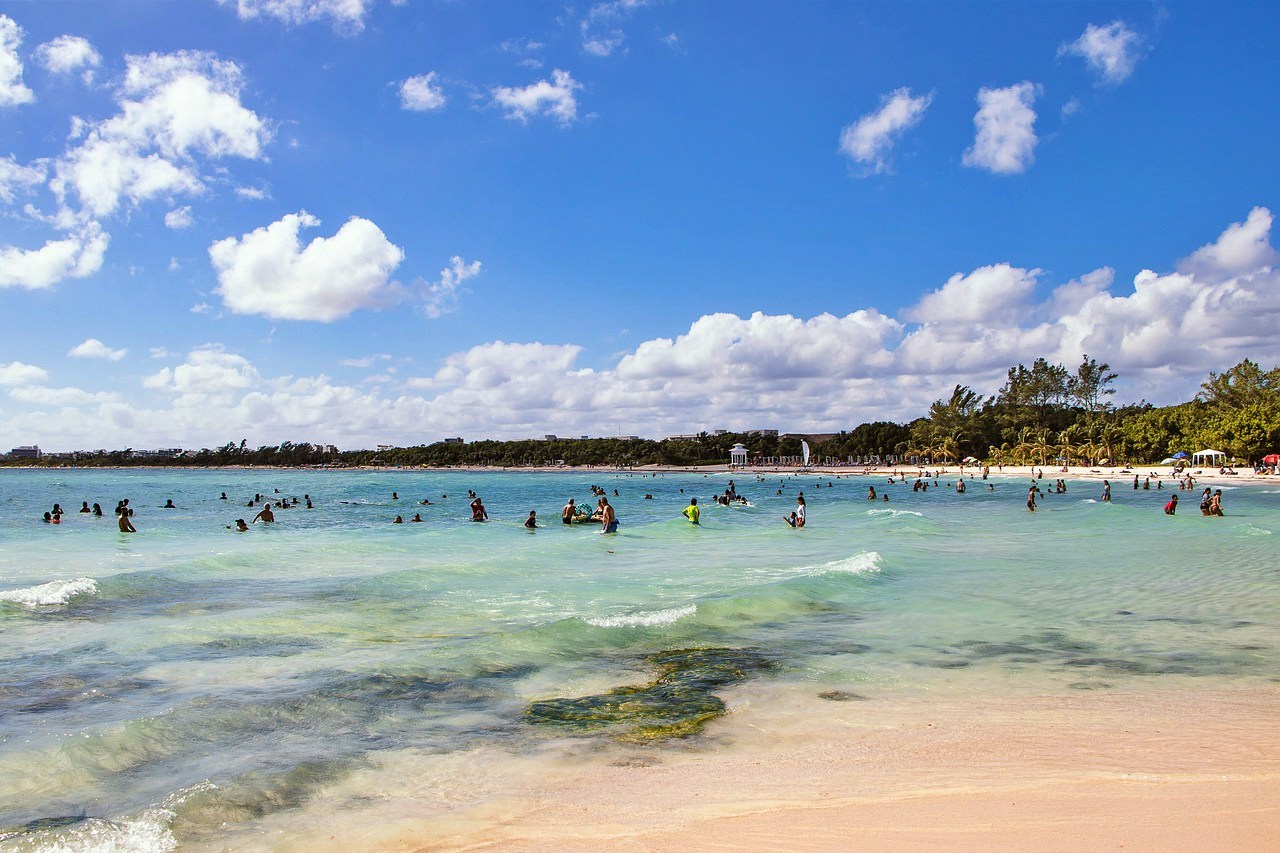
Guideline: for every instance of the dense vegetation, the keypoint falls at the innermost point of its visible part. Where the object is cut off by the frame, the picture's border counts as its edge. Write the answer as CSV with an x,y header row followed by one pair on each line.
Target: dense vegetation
x,y
1043,413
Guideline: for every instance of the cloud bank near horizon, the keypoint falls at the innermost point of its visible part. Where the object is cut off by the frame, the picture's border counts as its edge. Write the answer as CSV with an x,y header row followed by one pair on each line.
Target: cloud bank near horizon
x,y
1220,304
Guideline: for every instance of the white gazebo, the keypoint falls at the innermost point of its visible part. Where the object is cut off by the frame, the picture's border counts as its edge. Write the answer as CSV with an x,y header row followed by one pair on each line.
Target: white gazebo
x,y
1209,457
738,455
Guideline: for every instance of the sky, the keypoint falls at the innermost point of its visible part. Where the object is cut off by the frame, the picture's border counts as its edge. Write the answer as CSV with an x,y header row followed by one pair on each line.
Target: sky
x,y
362,222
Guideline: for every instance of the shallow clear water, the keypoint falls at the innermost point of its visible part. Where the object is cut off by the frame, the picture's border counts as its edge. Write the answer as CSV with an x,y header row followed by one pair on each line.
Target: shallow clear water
x,y
185,682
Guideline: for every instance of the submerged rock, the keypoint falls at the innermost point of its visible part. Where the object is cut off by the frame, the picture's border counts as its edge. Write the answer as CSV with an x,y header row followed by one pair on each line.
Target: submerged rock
x,y
676,704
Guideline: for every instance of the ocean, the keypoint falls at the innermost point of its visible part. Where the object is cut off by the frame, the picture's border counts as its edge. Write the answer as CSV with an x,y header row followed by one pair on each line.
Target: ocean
x,y
193,686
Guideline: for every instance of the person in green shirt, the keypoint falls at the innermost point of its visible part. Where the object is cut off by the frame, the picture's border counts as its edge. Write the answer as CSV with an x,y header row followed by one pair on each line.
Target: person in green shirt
x,y
692,512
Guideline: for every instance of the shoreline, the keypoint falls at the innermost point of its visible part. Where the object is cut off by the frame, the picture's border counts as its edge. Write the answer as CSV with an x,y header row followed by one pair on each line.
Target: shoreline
x,y
1117,475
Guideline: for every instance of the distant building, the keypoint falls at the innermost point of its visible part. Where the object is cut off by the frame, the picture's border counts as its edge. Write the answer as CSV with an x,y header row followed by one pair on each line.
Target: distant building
x,y
765,432
454,441
26,451
328,448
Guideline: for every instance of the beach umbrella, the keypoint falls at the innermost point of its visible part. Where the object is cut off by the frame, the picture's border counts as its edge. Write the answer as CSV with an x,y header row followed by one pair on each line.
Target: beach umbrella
x,y
1181,454
1271,459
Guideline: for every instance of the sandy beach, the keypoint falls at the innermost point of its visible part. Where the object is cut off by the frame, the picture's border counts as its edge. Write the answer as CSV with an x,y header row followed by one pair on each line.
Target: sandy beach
x,y
1166,770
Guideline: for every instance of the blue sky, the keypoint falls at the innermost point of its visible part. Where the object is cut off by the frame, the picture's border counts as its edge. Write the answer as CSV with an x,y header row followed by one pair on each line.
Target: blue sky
x,y
362,222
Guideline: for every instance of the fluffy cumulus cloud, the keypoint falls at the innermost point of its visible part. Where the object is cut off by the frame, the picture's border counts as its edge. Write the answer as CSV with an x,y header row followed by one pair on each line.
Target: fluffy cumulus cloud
x,y
94,348
269,272
1005,142
422,93
1163,334
13,92
15,373
346,16
67,54
553,98
78,255
869,141
176,110
1111,51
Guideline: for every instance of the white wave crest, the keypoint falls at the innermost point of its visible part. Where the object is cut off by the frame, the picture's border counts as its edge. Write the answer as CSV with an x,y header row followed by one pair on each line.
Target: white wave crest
x,y
893,513
50,594
860,563
644,620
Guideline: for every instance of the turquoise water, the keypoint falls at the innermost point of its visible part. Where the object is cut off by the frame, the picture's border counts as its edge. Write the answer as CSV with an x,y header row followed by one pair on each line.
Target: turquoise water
x,y
184,683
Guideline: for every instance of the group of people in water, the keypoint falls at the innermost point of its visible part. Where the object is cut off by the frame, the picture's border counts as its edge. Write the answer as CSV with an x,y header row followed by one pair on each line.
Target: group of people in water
x,y
606,516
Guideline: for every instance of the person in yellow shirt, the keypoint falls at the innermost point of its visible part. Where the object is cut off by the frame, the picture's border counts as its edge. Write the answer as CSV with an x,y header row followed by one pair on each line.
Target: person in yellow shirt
x,y
692,512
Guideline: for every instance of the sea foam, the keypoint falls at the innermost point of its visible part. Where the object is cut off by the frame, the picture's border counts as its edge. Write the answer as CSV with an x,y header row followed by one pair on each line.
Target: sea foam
x,y
50,594
894,513
860,563
644,619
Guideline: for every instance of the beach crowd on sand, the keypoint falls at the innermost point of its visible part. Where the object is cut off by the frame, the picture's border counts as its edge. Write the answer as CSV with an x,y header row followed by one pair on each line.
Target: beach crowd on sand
x,y
919,480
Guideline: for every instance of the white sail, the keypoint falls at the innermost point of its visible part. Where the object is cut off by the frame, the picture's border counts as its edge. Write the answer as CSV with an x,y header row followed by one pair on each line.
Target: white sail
x,y
804,446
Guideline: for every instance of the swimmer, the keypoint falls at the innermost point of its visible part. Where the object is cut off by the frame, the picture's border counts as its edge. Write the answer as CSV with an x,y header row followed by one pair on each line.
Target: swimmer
x,y
1106,491
692,512
168,504
1172,506
97,510
224,497
426,502
1031,499
398,520
1206,502
790,519
567,514
240,527
532,521
1215,507
417,518
800,511
84,506
266,516
49,519
125,525
478,512
608,517
395,496
871,493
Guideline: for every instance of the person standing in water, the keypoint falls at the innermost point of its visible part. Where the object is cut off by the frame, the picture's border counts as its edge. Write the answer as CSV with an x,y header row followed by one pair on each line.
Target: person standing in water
x,y
569,511
608,518
266,516
1106,491
692,512
1171,508
1031,498
532,521
800,511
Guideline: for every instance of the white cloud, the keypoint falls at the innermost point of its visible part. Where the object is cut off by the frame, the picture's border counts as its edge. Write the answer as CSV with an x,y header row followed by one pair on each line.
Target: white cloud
x,y
1006,138
347,16
252,193
94,348
16,179
1111,51
160,352
601,29
268,272
179,218
422,93
441,297
993,295
66,54
209,371
42,396
175,109
871,138
820,373
553,98
13,92
201,308
17,373
77,256
1242,248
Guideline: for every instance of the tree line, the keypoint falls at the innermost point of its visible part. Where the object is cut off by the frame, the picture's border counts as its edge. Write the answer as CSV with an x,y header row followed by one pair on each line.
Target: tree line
x,y
1043,414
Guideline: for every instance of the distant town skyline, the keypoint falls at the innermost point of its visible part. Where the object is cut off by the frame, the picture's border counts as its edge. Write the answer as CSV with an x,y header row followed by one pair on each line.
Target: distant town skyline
x,y
403,221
